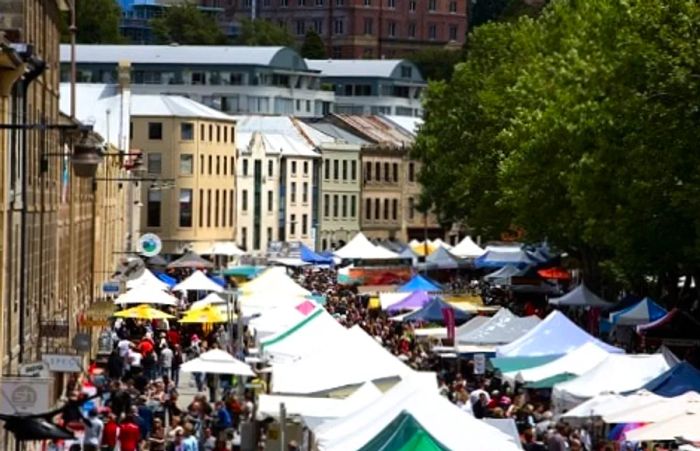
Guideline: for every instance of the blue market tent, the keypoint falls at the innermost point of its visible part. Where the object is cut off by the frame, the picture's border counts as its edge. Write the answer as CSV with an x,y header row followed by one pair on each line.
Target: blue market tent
x,y
441,258
310,256
643,312
170,281
219,280
432,312
498,259
408,253
580,296
505,273
680,379
419,283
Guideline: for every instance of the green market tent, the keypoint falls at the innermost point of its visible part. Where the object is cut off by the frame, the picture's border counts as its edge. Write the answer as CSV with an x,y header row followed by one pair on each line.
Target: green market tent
x,y
508,364
404,433
246,271
550,381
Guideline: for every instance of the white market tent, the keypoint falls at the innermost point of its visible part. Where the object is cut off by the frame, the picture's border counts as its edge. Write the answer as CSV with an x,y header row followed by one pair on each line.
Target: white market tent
x,y
684,426
467,248
226,248
360,248
577,362
444,421
275,281
317,331
501,328
354,359
617,373
146,295
146,279
272,321
210,299
607,403
198,281
555,335
388,299
437,242
217,361
660,410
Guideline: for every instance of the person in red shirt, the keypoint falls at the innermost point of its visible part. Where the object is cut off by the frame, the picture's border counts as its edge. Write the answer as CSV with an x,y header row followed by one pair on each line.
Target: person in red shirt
x,y
109,434
146,346
129,435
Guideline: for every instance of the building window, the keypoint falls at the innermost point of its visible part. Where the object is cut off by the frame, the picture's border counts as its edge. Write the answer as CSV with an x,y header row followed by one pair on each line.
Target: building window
x,y
225,160
218,134
318,26
225,134
338,26
216,208
453,32
387,174
378,171
293,193
369,25
339,2
353,170
306,168
153,212
391,3
345,206
412,6
386,209
301,2
335,170
244,237
304,225
292,225
406,71
377,209
270,201
218,165
368,209
223,208
392,29
211,133
201,133
336,205
411,172
294,167
301,29
208,208
396,172
284,3
245,166
432,5
432,31
319,2
453,6
411,30
411,208
337,52
154,163
368,2
155,130
186,208
231,210
327,169
305,193
345,169
368,172
270,168
353,206
131,130
201,208
326,205
269,234
395,209
186,163
187,131
244,200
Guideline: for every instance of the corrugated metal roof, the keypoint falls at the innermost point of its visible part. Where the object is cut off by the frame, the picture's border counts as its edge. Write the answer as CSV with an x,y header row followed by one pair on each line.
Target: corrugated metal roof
x,y
355,68
174,106
340,134
172,54
279,134
407,123
379,131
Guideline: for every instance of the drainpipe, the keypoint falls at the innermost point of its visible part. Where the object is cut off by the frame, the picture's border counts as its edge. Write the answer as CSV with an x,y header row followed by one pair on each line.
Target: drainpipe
x,y
37,67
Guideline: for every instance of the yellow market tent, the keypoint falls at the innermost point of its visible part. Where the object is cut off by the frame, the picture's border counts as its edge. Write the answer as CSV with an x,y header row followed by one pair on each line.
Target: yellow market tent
x,y
143,311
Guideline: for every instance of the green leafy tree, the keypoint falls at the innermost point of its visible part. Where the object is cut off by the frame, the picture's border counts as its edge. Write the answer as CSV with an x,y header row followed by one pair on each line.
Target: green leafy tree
x,y
578,126
186,24
313,46
263,32
97,22
436,63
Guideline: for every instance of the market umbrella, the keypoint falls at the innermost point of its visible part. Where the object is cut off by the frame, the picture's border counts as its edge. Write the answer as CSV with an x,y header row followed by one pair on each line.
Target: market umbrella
x,y
206,314
191,260
198,281
217,361
554,273
143,311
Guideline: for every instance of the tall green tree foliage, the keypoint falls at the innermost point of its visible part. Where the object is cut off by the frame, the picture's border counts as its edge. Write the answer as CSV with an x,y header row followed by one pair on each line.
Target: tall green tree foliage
x,y
186,24
313,46
580,127
263,32
436,63
97,22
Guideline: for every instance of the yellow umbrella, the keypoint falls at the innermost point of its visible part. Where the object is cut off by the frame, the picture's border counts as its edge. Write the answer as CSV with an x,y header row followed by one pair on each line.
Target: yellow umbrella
x,y
420,249
143,311
207,314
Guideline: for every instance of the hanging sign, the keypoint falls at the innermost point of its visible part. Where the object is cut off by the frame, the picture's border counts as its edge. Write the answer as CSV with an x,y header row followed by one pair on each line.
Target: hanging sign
x,y
149,245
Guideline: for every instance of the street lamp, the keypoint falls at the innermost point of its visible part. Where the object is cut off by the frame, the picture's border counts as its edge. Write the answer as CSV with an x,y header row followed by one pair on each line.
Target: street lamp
x,y
87,155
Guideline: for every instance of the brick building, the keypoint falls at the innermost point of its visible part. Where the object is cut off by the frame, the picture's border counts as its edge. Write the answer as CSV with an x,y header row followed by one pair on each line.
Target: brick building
x,y
368,28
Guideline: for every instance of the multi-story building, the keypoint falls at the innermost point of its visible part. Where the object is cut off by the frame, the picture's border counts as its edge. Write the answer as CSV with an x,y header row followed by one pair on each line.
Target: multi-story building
x,y
387,87
135,23
189,151
255,80
369,28
278,181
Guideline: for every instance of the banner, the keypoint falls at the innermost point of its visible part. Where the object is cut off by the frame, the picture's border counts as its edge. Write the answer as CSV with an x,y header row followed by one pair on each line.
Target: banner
x,y
448,315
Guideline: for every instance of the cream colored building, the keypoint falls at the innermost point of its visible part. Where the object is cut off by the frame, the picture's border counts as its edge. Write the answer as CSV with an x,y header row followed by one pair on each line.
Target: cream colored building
x,y
189,152
279,164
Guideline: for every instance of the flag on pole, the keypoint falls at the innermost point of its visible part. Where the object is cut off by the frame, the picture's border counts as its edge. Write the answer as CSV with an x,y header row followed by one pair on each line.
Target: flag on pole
x,y
448,315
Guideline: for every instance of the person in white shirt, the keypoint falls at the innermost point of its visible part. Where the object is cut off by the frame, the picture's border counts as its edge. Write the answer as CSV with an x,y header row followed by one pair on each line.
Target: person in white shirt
x,y
92,439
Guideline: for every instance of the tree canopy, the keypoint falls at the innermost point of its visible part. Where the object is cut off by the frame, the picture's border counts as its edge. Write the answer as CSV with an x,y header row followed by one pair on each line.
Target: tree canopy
x,y
313,46
186,24
579,127
97,22
436,63
263,32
